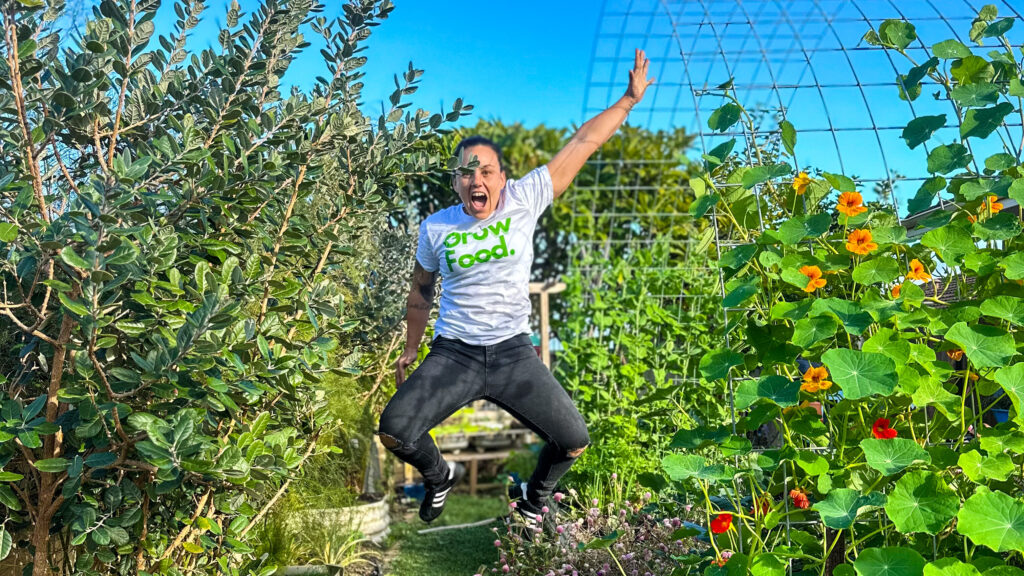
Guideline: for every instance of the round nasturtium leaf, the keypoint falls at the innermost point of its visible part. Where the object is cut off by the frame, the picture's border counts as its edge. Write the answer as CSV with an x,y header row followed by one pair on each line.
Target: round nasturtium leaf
x,y
985,346
1009,308
717,363
889,456
877,270
950,567
981,468
892,561
861,374
993,519
839,510
682,466
810,331
921,502
778,389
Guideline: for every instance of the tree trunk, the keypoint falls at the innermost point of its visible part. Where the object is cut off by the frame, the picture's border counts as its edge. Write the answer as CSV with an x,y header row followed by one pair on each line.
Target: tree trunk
x,y
41,542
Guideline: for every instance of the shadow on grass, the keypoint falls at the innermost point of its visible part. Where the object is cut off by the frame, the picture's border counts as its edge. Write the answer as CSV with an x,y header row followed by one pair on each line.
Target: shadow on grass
x,y
454,552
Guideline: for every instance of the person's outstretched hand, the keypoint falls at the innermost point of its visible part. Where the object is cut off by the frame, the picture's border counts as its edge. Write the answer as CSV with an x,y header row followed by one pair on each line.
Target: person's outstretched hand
x,y
638,81
401,365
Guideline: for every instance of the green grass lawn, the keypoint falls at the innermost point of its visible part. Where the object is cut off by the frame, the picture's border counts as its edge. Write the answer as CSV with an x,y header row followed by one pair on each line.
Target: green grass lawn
x,y
458,552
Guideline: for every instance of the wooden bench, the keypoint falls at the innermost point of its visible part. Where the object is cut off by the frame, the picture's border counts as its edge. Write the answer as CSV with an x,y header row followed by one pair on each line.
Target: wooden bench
x,y
474,459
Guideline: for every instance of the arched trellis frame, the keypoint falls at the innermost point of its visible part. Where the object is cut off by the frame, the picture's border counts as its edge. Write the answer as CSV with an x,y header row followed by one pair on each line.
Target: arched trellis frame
x,y
804,60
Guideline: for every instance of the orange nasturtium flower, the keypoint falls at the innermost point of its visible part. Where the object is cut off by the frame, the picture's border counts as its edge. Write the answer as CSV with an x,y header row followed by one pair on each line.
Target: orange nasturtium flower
x,y
993,206
816,379
917,271
815,280
721,523
851,204
801,182
800,499
859,242
955,354
895,290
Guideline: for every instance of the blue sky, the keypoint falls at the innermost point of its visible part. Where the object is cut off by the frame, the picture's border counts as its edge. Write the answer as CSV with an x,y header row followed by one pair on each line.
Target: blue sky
x,y
522,61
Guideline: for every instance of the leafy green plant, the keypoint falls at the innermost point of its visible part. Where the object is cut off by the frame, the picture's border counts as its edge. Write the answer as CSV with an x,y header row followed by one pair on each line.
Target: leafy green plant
x,y
189,248
883,455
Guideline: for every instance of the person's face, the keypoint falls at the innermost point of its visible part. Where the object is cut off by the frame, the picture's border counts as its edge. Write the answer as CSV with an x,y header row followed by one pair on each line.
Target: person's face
x,y
479,189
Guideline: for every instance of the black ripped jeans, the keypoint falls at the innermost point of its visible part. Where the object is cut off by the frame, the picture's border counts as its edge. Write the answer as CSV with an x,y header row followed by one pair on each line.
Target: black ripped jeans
x,y
508,374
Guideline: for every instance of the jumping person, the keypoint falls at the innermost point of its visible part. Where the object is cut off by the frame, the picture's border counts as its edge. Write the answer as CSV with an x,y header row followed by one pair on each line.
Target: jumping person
x,y
483,250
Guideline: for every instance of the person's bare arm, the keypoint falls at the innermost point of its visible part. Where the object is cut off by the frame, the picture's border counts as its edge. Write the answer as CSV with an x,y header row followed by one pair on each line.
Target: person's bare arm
x,y
418,305
596,131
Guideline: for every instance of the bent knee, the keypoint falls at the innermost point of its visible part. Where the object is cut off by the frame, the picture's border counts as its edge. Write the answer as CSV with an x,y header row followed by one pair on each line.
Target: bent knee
x,y
389,441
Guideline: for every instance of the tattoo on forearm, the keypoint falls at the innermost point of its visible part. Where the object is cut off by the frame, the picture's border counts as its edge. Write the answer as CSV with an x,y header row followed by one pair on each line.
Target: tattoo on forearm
x,y
421,306
427,292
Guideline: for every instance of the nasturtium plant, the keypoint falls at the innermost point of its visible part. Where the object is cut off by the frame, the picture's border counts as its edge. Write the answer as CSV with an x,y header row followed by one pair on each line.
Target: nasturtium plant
x,y
875,369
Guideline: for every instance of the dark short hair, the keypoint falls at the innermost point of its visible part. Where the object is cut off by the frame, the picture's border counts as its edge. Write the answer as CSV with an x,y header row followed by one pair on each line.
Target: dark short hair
x,y
481,141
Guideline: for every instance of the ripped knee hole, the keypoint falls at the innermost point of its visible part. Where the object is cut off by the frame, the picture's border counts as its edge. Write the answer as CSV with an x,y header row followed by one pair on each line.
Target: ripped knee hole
x,y
576,453
388,441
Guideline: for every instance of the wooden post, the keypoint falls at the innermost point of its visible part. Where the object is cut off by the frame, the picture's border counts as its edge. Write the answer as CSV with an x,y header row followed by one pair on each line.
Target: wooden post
x,y
544,290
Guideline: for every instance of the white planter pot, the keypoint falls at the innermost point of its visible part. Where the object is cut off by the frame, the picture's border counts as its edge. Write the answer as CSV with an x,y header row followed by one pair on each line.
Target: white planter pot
x,y
373,519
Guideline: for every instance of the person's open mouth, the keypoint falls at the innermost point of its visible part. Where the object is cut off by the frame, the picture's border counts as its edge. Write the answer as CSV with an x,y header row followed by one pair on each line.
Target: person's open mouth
x,y
478,200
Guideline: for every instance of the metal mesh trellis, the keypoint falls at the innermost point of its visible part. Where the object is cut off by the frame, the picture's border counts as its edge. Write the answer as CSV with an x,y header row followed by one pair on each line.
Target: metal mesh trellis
x,y
804,59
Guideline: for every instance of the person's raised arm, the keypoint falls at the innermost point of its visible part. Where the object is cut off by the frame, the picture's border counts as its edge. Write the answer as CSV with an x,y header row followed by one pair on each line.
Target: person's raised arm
x,y
596,131
418,304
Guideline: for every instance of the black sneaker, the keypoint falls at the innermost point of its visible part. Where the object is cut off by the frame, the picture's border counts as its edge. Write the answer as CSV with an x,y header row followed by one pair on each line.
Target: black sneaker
x,y
530,514
433,500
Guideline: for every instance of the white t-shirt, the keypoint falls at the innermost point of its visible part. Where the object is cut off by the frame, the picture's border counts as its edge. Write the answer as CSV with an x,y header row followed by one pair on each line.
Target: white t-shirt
x,y
485,264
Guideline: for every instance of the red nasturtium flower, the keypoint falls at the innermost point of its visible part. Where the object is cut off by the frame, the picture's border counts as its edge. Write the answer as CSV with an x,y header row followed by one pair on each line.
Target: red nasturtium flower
x,y
721,523
917,271
815,379
882,431
851,204
859,242
801,182
955,354
799,499
895,290
815,280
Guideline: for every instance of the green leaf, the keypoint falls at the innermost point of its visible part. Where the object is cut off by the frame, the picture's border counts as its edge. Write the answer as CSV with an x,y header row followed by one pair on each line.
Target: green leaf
x,y
891,561
951,243
925,194
70,258
931,393
1002,226
981,468
892,455
1000,161
738,256
976,95
778,389
947,158
972,70
840,182
716,364
73,305
974,189
725,117
921,502
52,465
680,467
1014,265
788,136
877,270
998,28
950,567
813,464
949,49
1016,88
861,374
810,331
702,204
1011,379
920,129
981,122
8,232
842,506
742,291
985,346
851,315
6,544
897,33
759,174
993,519
700,437
8,498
